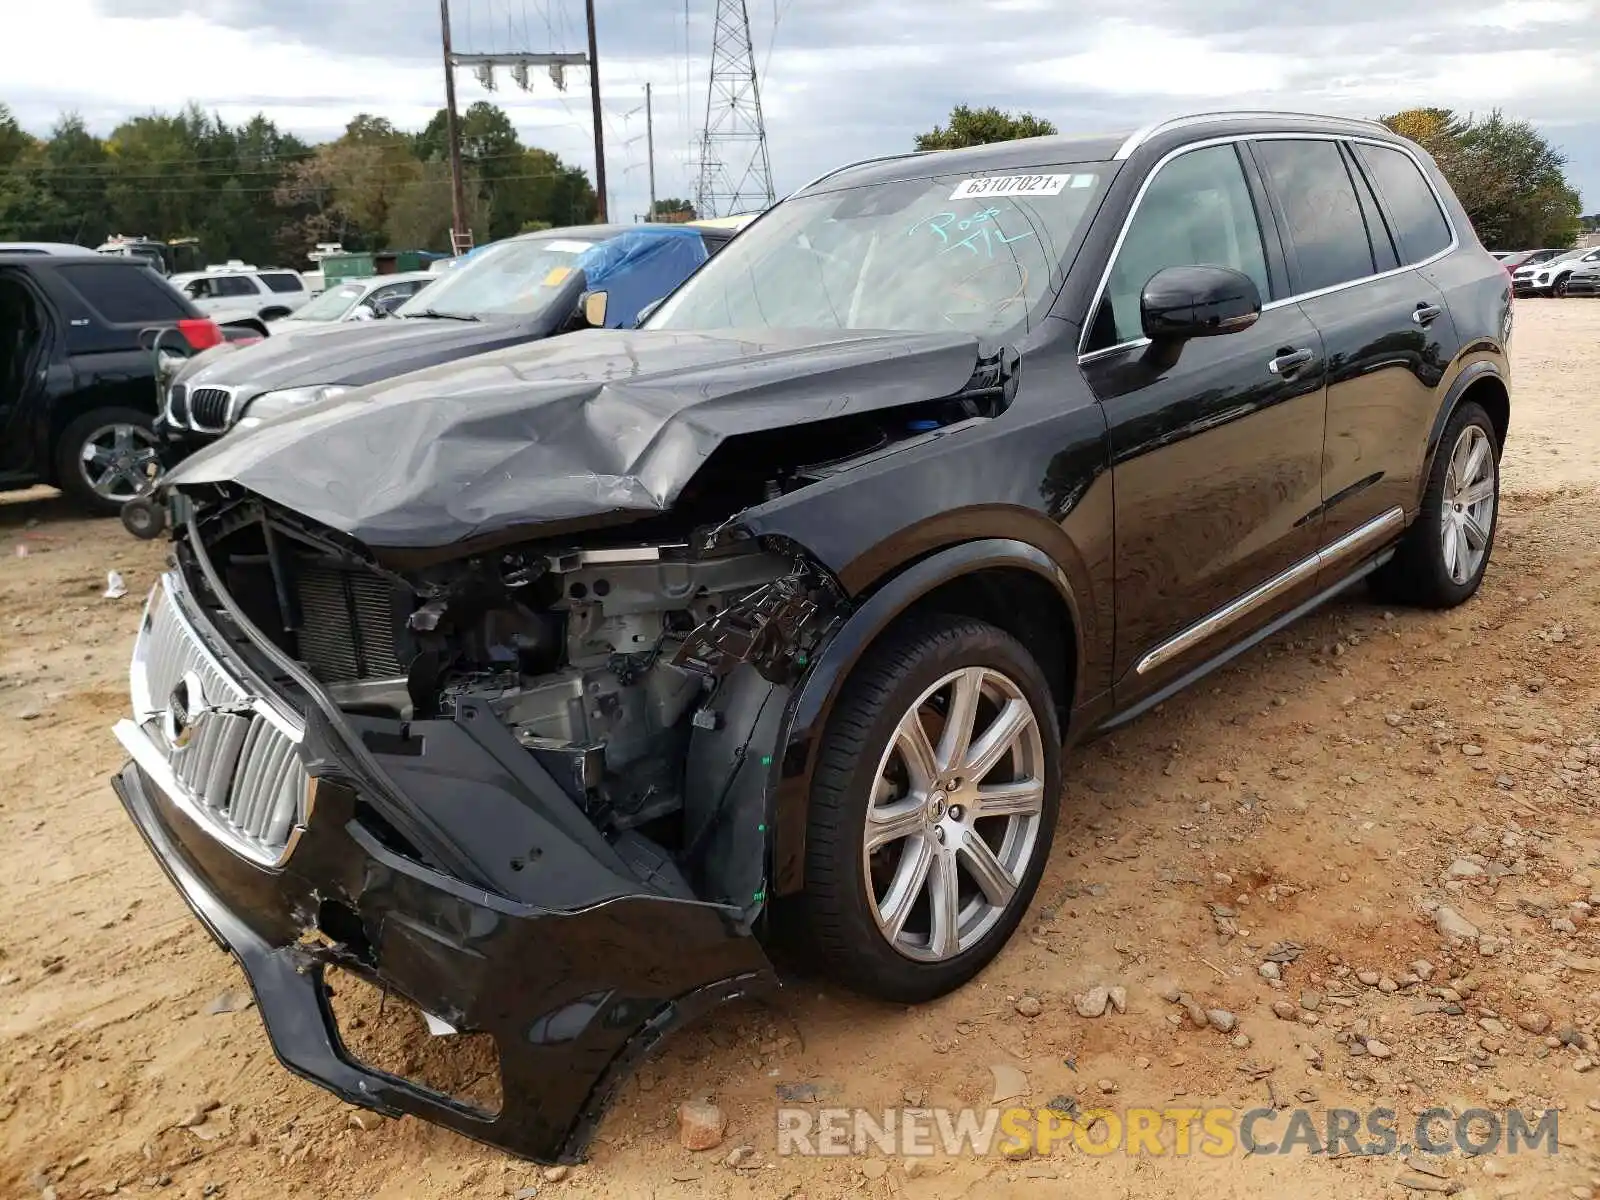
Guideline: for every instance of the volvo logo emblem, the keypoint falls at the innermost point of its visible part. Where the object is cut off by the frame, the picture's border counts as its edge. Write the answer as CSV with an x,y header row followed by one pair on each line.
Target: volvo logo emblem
x,y
184,707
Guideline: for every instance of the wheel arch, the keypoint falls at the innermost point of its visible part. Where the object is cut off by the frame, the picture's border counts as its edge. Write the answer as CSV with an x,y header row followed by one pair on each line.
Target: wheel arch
x,y
140,397
1482,384
1011,584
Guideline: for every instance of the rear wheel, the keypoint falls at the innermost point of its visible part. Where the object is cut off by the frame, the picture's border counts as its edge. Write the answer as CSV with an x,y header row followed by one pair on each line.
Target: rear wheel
x,y
932,810
1442,558
107,457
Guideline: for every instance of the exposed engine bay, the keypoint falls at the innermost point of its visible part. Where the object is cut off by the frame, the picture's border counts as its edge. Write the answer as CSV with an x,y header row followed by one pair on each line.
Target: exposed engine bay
x,y
634,658
603,663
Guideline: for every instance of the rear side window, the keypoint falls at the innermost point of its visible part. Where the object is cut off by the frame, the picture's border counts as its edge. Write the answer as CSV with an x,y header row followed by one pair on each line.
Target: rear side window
x,y
1319,203
233,285
124,295
1378,234
283,281
1419,222
1196,211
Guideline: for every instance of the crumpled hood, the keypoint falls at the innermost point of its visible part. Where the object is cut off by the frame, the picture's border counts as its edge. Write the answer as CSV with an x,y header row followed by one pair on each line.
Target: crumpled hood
x,y
603,421
352,353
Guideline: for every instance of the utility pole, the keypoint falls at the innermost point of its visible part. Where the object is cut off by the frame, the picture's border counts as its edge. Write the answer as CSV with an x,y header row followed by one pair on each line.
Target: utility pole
x,y
519,61
599,123
460,229
650,150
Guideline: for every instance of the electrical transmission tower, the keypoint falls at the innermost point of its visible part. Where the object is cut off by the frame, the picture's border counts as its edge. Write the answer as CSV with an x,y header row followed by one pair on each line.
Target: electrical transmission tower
x,y
735,172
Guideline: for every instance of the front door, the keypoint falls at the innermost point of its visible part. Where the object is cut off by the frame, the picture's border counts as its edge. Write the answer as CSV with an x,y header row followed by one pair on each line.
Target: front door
x,y
1217,460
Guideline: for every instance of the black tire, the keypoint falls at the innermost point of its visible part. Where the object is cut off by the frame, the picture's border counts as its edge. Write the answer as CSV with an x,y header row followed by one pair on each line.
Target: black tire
x,y
69,456
833,910
274,314
1418,573
1558,289
144,518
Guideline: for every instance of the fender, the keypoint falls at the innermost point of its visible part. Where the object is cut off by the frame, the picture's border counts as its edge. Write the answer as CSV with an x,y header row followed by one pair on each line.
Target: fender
x,y
794,753
1470,374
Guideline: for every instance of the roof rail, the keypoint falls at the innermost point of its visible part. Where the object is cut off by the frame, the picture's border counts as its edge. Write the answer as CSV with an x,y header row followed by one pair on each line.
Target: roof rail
x,y
851,166
1139,136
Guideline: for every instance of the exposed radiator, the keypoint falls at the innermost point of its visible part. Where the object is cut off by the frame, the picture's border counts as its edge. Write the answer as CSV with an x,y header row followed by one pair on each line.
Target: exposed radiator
x,y
350,623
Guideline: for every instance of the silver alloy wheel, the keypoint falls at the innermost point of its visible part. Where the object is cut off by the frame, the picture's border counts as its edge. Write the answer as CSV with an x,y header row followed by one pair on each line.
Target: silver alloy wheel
x,y
955,816
1467,511
118,461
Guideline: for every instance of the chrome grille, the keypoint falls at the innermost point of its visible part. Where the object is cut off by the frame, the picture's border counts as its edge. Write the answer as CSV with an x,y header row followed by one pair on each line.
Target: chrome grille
x,y
208,408
228,758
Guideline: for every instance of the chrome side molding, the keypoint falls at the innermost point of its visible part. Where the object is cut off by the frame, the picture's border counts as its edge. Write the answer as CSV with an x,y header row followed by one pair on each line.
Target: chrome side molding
x,y
1350,545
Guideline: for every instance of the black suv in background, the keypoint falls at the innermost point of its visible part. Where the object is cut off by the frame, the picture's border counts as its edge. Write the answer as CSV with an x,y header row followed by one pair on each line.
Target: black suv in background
x,y
77,370
525,687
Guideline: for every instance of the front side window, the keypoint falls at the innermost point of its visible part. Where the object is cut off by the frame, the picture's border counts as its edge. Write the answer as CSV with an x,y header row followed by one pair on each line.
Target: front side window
x,y
1196,211
1419,222
952,253
1319,202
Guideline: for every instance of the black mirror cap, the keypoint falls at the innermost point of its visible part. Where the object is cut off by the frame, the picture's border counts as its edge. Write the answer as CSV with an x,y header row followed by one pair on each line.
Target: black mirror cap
x,y
1179,303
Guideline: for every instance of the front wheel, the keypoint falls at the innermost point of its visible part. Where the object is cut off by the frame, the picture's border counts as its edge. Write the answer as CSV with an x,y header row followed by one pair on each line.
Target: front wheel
x,y
1442,558
1558,289
932,809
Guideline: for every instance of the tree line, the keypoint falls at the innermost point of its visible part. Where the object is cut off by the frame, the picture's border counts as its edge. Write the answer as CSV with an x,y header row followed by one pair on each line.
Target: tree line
x,y
257,193
1509,178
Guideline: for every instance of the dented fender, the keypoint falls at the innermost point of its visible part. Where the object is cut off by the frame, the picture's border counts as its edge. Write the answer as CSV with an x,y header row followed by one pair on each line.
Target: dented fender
x,y
832,659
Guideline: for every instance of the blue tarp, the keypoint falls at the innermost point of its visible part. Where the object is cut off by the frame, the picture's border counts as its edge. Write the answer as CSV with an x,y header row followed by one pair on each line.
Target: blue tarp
x,y
639,267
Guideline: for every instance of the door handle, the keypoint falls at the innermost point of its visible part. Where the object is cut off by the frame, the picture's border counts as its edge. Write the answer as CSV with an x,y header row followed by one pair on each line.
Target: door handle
x,y
1289,361
1425,313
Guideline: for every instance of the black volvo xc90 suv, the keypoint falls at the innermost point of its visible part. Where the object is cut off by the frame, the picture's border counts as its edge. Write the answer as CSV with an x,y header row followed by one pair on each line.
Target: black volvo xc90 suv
x,y
528,687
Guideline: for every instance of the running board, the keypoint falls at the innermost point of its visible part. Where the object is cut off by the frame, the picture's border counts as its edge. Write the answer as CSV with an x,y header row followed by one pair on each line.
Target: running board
x,y
1349,546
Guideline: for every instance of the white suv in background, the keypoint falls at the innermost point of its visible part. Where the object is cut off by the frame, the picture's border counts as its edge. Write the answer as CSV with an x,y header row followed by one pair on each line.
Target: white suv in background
x,y
233,292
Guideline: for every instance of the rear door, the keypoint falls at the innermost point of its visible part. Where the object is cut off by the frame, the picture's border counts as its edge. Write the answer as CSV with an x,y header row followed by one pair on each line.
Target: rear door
x,y
1217,459
1384,325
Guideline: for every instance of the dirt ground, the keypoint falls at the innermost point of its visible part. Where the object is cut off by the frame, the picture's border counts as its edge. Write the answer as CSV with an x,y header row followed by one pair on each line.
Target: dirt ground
x,y
1315,792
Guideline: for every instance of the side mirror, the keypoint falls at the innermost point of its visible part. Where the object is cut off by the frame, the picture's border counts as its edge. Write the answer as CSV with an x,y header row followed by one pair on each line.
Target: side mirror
x,y
594,309
1179,303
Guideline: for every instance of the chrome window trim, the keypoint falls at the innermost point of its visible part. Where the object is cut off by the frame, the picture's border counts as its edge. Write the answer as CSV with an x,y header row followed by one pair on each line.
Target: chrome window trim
x,y
1145,132
1085,356
1380,527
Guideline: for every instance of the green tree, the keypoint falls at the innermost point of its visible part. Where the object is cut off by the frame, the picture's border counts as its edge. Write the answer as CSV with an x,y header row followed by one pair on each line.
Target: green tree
x,y
673,210
13,140
1509,178
980,126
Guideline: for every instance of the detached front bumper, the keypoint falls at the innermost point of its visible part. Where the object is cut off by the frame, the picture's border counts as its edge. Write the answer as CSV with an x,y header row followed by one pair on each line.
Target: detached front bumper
x,y
572,995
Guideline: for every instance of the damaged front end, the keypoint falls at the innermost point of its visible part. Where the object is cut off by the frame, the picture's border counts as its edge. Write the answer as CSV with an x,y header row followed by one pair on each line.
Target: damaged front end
x,y
523,792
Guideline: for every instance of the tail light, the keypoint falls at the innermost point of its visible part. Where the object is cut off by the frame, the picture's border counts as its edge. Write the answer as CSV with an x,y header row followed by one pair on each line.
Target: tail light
x,y
201,333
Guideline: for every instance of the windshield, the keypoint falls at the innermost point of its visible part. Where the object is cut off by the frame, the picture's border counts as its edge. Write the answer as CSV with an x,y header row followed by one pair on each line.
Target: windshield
x,y
515,277
329,306
980,255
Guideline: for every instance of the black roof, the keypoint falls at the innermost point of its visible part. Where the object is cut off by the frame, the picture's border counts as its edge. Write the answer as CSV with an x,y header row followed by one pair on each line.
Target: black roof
x,y
1063,149
52,260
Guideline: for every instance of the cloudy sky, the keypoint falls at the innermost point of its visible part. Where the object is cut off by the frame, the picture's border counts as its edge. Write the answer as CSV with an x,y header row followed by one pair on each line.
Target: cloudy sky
x,y
840,79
